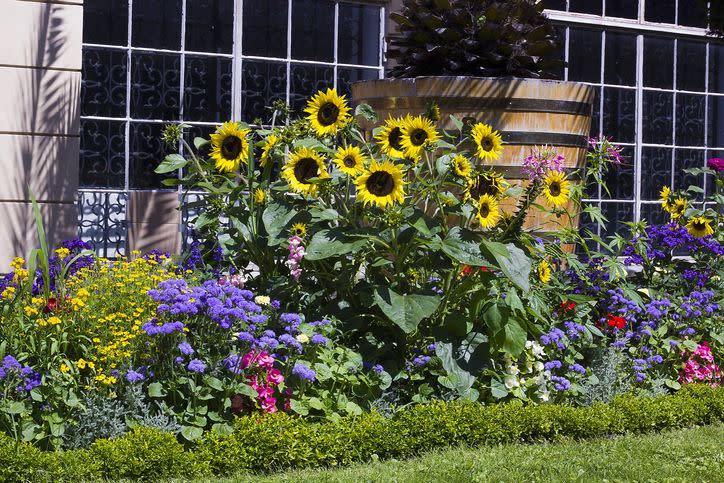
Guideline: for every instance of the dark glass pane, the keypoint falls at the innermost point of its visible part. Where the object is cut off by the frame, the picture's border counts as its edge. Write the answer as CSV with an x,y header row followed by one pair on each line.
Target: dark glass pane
x,y
555,4
584,55
653,214
716,121
105,22
716,68
620,60
345,78
620,179
265,28
655,171
619,114
210,25
658,120
691,65
157,24
690,110
594,7
147,150
261,84
313,30
200,131
560,53
155,86
306,81
103,88
659,62
617,215
661,11
207,89
359,35
596,114
692,13
686,159
102,154
622,8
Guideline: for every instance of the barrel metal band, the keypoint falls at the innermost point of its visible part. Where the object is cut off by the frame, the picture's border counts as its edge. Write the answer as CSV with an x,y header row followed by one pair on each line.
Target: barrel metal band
x,y
468,104
539,138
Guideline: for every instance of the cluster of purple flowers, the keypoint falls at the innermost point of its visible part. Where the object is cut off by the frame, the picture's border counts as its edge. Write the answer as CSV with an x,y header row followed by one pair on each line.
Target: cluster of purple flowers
x,y
434,280
195,257
660,241
303,372
555,337
574,330
640,366
26,378
561,383
592,279
698,304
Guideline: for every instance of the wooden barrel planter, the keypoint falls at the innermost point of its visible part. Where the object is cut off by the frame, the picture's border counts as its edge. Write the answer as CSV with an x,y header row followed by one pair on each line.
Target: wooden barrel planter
x,y
527,112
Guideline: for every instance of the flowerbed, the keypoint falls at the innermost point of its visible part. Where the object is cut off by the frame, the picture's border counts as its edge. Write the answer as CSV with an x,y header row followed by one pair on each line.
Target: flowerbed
x,y
337,272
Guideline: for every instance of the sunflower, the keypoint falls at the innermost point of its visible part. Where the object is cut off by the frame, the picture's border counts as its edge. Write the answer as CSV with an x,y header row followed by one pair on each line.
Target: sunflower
x,y
417,132
303,165
556,188
269,143
488,212
677,208
488,142
389,138
259,196
328,112
461,166
298,229
489,183
350,160
381,184
544,271
699,227
664,196
229,146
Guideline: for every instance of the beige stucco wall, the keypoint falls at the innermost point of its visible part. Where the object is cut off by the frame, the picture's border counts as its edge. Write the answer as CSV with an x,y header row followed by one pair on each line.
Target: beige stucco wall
x,y
40,62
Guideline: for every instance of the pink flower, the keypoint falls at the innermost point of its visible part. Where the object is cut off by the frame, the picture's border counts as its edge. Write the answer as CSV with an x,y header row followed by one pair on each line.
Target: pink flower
x,y
717,164
265,392
274,377
294,259
265,361
540,161
269,405
247,359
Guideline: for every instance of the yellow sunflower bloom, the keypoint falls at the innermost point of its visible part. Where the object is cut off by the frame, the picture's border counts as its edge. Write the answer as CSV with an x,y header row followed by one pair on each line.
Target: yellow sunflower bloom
x,y
544,271
259,196
298,229
556,188
488,142
664,196
381,184
389,138
417,132
699,227
489,183
269,144
229,146
677,208
328,112
350,160
303,165
488,213
461,166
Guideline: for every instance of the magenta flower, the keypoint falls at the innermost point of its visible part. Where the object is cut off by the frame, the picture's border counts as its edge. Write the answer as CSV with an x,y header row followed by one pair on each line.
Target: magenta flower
x,y
717,164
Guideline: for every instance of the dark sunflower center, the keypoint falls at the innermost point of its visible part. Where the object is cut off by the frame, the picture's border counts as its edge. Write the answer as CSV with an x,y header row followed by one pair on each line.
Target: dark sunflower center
x,y
554,189
305,169
328,114
350,162
380,183
679,208
231,147
418,137
484,186
484,210
395,138
486,143
698,226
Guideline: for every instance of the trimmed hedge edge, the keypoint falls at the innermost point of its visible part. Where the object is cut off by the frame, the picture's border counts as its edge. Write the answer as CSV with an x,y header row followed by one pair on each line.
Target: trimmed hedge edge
x,y
279,441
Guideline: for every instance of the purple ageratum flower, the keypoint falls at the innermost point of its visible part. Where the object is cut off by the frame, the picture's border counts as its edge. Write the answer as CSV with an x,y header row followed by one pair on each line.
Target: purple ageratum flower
x,y
420,361
551,365
619,344
319,339
577,368
134,376
275,304
186,348
561,383
178,360
432,348
290,342
196,365
640,377
246,337
303,372
655,359
269,342
378,369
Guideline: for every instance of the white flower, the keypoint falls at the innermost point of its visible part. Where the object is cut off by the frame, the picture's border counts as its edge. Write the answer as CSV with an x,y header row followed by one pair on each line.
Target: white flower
x,y
302,338
262,300
511,382
512,369
544,396
538,350
539,366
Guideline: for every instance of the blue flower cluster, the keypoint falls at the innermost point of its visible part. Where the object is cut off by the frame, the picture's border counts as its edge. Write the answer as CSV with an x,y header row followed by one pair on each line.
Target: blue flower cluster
x,y
303,372
661,240
26,378
640,366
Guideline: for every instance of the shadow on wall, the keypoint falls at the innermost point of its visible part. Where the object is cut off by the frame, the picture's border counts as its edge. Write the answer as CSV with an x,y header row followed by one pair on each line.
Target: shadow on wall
x,y
46,112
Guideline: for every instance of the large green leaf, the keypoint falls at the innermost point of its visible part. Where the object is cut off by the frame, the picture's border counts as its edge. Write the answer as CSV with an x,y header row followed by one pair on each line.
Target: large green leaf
x,y
463,359
276,216
408,310
512,337
464,246
330,243
512,261
172,162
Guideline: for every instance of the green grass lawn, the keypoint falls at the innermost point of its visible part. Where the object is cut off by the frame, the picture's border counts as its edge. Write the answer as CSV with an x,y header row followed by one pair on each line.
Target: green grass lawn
x,y
695,454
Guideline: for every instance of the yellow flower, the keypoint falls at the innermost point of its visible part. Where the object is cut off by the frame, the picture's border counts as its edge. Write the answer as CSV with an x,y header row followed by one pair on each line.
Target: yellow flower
x,y
677,208
229,146
17,263
298,229
82,294
76,303
269,144
91,365
489,183
488,213
8,292
350,160
390,137
544,271
54,320
664,196
30,311
327,112
488,142
303,165
417,133
556,188
64,368
81,363
461,166
381,184
62,252
699,227
259,196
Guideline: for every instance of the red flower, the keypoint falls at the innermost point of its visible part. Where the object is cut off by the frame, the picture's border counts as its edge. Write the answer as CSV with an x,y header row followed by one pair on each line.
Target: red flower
x,y
51,305
616,321
567,306
466,270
